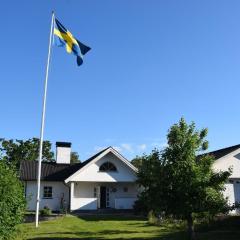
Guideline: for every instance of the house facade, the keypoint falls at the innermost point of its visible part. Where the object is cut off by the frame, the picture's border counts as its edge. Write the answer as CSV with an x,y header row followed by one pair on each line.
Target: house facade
x,y
225,159
106,180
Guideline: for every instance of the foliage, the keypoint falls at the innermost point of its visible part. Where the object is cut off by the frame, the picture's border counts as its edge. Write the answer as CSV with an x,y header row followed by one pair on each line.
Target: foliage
x,y
12,201
13,151
63,206
75,157
137,162
148,177
152,219
178,182
140,207
46,211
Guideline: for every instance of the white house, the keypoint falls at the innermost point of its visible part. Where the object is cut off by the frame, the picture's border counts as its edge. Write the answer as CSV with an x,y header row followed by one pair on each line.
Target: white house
x,y
106,180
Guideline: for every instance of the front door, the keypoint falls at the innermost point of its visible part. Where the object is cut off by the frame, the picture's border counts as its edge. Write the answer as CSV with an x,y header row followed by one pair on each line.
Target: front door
x,y
103,197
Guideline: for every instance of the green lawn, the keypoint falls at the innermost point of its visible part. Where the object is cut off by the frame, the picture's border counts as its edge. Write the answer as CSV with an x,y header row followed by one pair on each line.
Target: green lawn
x,y
117,227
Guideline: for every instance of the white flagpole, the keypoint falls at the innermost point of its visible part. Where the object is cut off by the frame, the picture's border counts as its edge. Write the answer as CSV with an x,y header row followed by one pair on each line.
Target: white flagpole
x,y
43,121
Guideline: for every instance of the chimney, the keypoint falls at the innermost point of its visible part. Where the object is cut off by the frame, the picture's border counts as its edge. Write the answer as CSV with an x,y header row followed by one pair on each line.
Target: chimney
x,y
63,152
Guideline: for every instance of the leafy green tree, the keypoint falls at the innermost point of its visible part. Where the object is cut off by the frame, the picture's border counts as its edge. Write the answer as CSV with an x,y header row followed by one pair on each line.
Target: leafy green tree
x,y
148,177
137,162
181,182
75,157
14,151
12,201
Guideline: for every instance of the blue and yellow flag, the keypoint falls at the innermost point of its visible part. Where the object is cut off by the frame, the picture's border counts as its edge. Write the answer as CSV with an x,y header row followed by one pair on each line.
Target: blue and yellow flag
x,y
64,38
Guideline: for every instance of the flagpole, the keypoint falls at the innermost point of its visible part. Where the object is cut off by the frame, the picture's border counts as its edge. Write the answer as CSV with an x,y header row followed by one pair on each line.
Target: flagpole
x,y
43,122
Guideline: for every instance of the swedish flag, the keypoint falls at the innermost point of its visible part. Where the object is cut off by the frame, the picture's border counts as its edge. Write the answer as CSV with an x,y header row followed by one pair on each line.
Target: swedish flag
x,y
64,38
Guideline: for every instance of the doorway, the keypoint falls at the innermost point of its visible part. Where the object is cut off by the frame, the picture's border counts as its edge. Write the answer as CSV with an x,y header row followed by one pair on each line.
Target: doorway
x,y
103,191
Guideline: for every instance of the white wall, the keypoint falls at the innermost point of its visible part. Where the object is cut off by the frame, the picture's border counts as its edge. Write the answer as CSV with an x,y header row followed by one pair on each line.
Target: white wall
x,y
92,174
232,193
83,195
58,189
232,160
63,155
229,193
130,195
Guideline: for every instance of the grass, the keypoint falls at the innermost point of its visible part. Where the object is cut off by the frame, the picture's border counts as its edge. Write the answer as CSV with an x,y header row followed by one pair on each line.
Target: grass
x,y
120,227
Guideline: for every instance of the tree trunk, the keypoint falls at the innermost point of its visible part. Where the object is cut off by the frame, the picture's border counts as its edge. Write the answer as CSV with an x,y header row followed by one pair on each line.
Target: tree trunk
x,y
191,232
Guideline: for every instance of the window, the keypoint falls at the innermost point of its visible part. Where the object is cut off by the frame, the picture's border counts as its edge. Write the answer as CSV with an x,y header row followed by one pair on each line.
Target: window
x,y
47,192
108,166
125,189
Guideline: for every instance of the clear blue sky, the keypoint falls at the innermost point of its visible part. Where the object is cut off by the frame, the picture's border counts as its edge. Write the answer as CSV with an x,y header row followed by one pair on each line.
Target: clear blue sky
x,y
151,63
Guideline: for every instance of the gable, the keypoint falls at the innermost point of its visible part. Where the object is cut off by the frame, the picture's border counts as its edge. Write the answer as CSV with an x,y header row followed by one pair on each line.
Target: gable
x,y
91,173
231,160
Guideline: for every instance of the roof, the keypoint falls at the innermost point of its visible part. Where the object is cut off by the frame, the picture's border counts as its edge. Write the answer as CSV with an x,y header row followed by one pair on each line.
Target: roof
x,y
96,158
51,171
221,152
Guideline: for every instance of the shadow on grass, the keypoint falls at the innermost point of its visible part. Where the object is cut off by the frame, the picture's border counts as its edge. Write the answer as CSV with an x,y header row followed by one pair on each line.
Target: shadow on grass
x,y
171,236
111,217
212,235
114,234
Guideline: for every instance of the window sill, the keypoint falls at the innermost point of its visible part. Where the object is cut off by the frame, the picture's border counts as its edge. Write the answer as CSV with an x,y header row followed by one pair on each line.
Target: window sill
x,y
47,198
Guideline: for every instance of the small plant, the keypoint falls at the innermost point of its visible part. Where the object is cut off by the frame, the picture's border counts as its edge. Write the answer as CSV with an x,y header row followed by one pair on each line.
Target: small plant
x,y
46,211
63,206
152,219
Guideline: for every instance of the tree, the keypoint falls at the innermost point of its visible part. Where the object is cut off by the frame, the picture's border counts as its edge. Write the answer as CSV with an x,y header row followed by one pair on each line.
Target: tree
x,y
75,157
137,162
12,201
148,177
183,183
13,151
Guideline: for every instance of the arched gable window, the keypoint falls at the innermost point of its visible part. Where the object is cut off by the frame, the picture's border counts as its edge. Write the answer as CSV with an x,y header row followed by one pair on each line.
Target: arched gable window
x,y
107,167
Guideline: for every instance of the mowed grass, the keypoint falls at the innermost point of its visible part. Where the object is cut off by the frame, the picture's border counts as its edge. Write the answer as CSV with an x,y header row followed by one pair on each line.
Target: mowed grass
x,y
117,227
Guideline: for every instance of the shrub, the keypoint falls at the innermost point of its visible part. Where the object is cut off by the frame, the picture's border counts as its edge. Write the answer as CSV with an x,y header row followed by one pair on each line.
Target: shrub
x,y
46,211
63,206
12,201
140,207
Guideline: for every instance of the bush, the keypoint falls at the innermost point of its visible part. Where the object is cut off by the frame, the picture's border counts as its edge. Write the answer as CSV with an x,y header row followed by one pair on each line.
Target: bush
x,y
46,211
63,206
140,207
161,219
12,201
